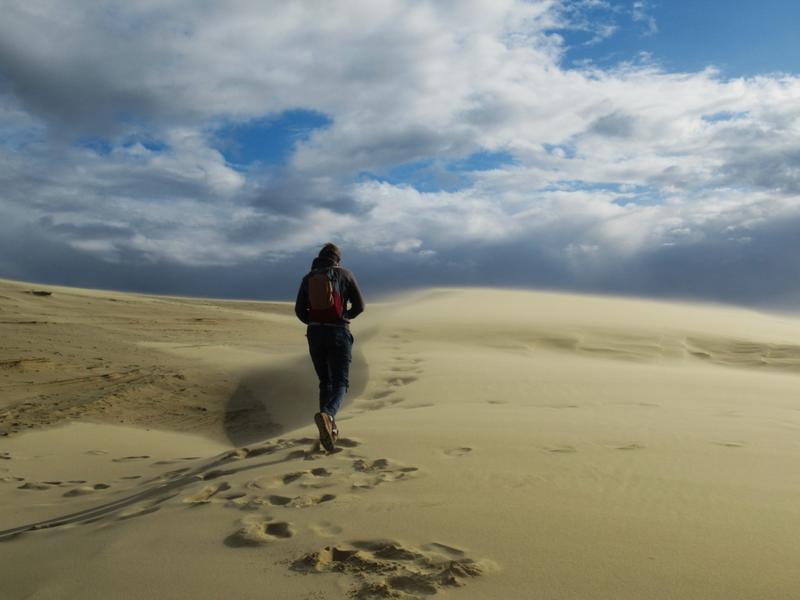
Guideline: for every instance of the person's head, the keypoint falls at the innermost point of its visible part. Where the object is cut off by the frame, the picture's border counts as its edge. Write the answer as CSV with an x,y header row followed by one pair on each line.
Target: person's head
x,y
331,251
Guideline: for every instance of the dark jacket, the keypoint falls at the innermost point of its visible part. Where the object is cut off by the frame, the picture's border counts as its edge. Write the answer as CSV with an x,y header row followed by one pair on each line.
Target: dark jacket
x,y
351,294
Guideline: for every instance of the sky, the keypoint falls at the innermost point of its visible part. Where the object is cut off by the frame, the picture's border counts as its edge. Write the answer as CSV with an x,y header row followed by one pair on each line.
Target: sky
x,y
210,148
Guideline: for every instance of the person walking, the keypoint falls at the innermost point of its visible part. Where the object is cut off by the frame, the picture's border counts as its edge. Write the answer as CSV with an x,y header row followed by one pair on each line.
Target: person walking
x,y
322,304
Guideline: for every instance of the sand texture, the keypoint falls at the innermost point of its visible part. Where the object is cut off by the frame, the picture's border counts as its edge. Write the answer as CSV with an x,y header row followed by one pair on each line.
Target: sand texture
x,y
496,444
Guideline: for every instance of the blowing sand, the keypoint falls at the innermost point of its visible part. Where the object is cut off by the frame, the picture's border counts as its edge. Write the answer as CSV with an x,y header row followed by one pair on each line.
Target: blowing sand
x,y
497,444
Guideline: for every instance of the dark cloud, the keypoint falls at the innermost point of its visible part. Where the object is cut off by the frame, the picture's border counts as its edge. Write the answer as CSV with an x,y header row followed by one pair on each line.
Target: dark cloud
x,y
616,124
74,93
35,256
291,193
730,270
772,170
83,231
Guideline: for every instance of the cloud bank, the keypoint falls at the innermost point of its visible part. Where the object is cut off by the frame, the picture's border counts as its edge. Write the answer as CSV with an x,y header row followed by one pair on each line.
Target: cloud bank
x,y
456,149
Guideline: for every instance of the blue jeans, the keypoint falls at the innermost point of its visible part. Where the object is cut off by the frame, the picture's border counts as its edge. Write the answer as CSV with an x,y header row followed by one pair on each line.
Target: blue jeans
x,y
331,350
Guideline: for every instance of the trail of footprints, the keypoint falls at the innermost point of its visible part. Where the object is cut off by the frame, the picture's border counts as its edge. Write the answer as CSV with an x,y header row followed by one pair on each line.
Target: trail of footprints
x,y
570,449
376,568
348,472
77,487
82,487
405,368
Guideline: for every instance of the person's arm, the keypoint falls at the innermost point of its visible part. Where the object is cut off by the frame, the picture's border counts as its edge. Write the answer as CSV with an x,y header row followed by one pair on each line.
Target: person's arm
x,y
301,304
355,297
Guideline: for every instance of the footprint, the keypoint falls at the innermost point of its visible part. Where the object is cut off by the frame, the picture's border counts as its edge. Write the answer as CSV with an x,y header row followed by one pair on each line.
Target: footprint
x,y
86,489
319,475
463,451
204,495
176,460
266,448
279,500
365,467
263,483
731,444
315,452
629,446
377,472
300,501
234,495
253,452
400,381
129,458
387,549
34,485
246,502
317,485
565,449
381,395
255,533
377,405
290,477
79,491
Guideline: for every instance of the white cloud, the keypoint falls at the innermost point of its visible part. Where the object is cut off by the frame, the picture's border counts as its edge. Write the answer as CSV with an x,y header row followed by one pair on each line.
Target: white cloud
x,y
640,14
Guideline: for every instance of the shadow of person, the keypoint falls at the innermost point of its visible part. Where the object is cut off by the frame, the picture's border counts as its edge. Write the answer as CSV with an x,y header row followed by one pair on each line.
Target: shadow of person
x,y
281,397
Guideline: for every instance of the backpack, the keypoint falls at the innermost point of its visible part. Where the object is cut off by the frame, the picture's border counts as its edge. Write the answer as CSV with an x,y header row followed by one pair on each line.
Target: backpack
x,y
325,301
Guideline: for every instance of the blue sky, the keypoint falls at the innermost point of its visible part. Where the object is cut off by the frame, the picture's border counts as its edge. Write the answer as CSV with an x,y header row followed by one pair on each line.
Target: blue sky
x,y
741,39
269,140
211,148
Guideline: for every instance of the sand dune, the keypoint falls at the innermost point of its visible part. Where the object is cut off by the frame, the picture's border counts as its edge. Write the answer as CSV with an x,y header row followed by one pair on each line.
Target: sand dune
x,y
499,444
